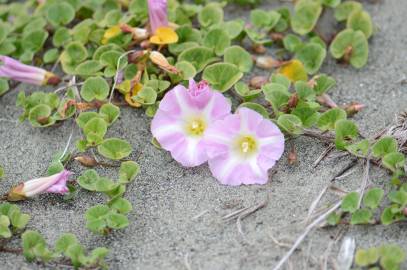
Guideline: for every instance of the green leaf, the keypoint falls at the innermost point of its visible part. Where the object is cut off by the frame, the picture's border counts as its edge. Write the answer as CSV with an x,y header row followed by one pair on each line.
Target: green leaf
x,y
281,79
309,116
373,197
158,86
290,123
388,216
199,57
117,221
128,171
392,256
367,257
40,116
51,56
76,253
122,205
350,202
331,3
345,130
277,94
31,241
115,149
333,219
222,76
111,59
360,20
399,197
1,172
60,13
146,96
85,117
234,28
104,184
95,127
255,107
239,57
218,40
65,241
394,161
323,84
359,149
361,216
329,118
343,10
306,15
55,167
109,112
187,70
88,180
34,41
264,19
4,87
88,68
4,227
61,37
243,90
95,88
292,42
312,56
384,146
352,46
76,52
304,91
211,14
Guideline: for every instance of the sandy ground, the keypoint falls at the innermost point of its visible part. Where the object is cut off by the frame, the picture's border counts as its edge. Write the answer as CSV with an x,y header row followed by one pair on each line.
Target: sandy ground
x,y
165,232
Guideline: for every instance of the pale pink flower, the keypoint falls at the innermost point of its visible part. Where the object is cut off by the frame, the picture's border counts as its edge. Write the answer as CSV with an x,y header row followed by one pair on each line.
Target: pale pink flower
x,y
242,147
183,117
51,184
157,11
15,70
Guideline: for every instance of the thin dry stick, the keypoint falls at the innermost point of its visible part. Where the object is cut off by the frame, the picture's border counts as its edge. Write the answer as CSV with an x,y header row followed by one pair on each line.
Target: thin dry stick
x,y
186,262
323,155
324,190
278,243
364,181
200,214
305,233
117,72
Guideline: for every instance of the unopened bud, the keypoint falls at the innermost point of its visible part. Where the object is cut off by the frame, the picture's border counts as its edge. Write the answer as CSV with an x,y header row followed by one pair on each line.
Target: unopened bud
x,y
51,79
259,49
160,60
86,161
326,100
353,108
266,62
145,44
293,101
258,81
277,36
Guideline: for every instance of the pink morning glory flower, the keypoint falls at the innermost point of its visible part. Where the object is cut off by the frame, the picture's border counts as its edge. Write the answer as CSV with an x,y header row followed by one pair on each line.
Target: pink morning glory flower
x,y
242,147
157,11
51,184
183,117
15,70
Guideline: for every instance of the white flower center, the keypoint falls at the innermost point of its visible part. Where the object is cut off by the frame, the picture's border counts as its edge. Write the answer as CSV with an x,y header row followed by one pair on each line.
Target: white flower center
x,y
195,126
246,145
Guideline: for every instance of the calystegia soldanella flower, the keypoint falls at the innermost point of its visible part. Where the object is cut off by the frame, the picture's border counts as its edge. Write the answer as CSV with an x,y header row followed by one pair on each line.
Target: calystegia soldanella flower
x,y
15,70
183,117
51,184
242,147
158,18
